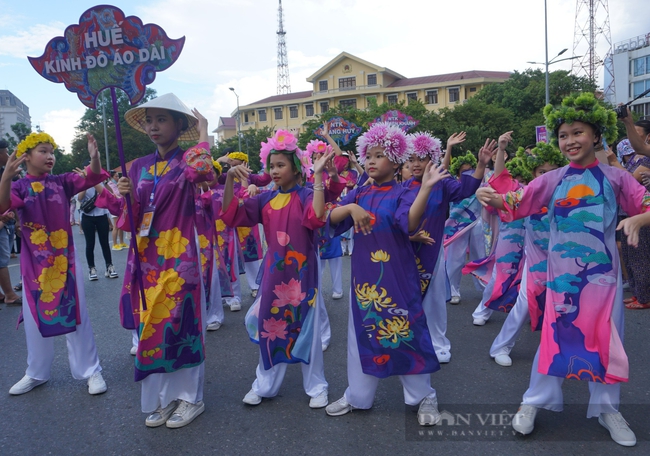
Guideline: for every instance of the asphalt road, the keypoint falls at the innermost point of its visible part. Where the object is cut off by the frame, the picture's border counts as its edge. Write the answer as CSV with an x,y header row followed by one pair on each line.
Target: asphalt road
x,y
60,417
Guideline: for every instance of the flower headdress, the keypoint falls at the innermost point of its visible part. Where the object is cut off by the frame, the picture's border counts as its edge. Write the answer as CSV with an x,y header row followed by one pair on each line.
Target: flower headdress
x,y
33,140
424,145
459,161
518,169
316,146
391,138
582,107
217,166
238,156
284,142
540,154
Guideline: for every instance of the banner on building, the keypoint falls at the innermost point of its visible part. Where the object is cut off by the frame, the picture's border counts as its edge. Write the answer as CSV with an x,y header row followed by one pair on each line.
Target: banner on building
x,y
397,118
107,49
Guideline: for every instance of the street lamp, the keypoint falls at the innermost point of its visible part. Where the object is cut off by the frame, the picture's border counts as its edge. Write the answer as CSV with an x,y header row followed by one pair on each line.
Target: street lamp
x,y
547,63
238,118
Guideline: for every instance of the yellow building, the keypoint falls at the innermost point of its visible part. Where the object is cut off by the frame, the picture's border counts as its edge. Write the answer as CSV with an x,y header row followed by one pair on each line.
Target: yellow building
x,y
350,81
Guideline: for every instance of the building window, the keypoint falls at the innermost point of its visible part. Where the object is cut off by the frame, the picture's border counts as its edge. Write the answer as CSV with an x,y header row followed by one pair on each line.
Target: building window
x,y
639,66
246,118
638,88
392,99
411,96
472,89
261,114
454,94
309,110
347,83
324,107
372,79
322,86
278,113
293,112
432,97
348,104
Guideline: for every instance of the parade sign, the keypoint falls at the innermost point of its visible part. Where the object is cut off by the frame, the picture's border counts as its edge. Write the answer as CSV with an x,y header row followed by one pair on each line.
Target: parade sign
x,y
397,118
540,134
107,49
341,130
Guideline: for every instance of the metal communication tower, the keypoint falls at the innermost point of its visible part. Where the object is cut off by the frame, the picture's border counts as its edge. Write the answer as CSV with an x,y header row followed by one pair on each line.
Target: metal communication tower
x,y
284,85
592,27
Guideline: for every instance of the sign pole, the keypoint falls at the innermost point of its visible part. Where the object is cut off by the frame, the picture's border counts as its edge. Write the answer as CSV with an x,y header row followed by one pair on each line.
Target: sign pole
x,y
134,239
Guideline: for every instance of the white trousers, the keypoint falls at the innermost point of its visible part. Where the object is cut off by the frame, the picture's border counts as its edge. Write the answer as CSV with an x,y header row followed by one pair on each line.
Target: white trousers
x,y
268,382
361,387
514,322
158,390
336,267
215,311
236,285
252,268
82,351
545,391
325,328
481,311
456,253
435,307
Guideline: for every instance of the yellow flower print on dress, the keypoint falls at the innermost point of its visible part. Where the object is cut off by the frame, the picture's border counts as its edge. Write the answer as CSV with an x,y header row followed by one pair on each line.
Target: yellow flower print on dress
x,y
203,242
220,225
220,241
159,307
170,282
204,260
59,239
243,232
394,331
51,280
368,296
380,257
37,187
61,263
47,297
143,243
38,237
161,169
171,243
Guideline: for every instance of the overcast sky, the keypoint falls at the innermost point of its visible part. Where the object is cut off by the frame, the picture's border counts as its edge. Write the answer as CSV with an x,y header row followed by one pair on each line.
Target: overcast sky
x,y
232,43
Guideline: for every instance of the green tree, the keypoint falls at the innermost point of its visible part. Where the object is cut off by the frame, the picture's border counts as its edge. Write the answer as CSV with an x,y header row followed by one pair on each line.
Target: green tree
x,y
250,144
134,143
20,130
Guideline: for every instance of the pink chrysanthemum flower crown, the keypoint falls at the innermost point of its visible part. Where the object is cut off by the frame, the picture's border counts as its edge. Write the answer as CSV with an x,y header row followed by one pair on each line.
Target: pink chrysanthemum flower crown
x,y
285,142
316,146
389,137
425,145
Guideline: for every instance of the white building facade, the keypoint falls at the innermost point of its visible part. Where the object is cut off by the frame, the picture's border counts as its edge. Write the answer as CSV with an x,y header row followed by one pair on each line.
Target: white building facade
x,y
12,111
631,64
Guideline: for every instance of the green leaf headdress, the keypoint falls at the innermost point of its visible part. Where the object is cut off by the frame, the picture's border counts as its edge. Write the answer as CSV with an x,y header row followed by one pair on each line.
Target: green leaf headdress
x,y
459,161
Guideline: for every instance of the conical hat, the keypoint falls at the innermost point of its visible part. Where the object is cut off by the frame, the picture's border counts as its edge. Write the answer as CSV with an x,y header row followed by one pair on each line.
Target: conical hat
x,y
136,116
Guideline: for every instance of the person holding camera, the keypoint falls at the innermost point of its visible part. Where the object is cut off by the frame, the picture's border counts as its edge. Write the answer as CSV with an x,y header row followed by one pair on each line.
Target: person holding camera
x,y
95,220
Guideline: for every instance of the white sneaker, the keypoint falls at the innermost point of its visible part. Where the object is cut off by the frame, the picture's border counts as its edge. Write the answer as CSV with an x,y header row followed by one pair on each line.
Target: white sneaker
x,y
92,275
161,415
214,326
338,408
184,414
134,350
110,272
428,414
524,420
503,360
235,306
25,385
337,295
319,401
251,398
96,384
443,356
455,300
254,293
618,428
479,321
324,347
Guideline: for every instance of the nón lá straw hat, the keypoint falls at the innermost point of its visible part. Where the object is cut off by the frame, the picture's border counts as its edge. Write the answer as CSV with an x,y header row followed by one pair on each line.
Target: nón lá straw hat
x,y
136,116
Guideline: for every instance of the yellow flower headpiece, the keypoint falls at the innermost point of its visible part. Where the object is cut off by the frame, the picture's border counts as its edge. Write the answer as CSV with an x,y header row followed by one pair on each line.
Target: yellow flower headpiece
x,y
33,140
217,166
238,156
